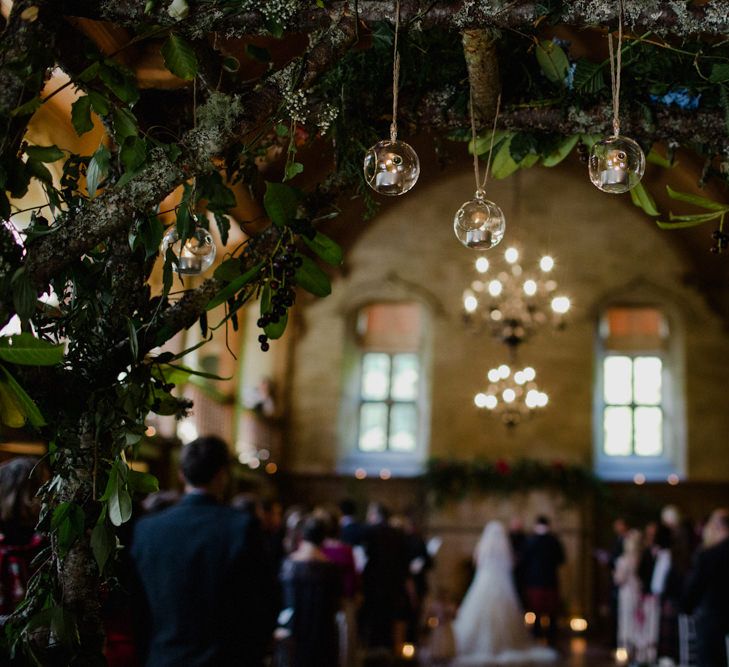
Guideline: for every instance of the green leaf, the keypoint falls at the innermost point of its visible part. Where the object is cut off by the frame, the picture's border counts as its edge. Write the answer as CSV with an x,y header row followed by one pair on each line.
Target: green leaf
x,y
292,169
258,53
685,221
230,290
561,152
40,171
117,495
178,9
656,158
275,330
179,57
11,409
222,221
324,247
99,102
133,153
44,153
142,482
133,341
312,278
281,202
228,270
150,232
81,115
483,143
68,523
553,61
125,125
211,188
719,73
522,144
97,170
503,164
230,64
103,543
702,202
589,77
24,295
643,199
25,349
23,402
30,107
119,81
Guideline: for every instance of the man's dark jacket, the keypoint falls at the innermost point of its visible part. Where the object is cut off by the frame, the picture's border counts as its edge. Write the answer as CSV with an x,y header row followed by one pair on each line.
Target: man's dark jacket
x,y
707,595
202,581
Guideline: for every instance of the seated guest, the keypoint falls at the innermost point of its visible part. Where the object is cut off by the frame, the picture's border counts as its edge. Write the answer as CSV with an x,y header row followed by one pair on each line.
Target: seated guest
x,y
312,588
201,573
707,592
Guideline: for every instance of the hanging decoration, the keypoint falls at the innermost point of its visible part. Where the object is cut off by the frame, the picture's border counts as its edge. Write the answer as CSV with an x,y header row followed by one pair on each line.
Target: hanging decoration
x,y
196,255
616,163
479,223
512,395
392,167
512,302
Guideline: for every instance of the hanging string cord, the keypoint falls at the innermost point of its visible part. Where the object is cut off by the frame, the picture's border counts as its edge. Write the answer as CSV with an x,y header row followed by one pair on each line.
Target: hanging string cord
x,y
395,74
476,171
616,62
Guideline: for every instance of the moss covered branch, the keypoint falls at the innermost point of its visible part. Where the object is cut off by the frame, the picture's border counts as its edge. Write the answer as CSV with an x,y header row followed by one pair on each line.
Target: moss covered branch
x,y
678,18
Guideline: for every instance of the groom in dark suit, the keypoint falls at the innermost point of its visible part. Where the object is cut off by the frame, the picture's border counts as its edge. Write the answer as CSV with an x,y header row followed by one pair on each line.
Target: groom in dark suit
x,y
201,572
707,592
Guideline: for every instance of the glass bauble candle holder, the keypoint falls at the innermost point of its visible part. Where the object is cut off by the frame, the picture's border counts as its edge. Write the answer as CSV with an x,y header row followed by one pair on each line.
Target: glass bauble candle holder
x,y
194,256
616,164
479,223
391,167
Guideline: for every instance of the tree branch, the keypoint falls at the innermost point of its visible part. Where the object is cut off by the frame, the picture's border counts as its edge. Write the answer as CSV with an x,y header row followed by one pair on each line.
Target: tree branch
x,y
479,49
680,19
220,120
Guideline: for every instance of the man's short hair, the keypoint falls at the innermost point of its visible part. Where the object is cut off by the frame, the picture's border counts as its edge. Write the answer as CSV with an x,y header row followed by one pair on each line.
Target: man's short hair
x,y
347,507
542,520
202,459
313,530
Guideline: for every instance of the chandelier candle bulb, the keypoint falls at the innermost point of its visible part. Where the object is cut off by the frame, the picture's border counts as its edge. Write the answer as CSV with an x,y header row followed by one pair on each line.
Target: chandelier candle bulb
x,y
546,264
482,265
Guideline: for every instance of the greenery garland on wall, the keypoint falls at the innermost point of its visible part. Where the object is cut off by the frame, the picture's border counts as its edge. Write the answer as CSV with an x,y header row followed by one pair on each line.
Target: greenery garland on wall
x,y
451,479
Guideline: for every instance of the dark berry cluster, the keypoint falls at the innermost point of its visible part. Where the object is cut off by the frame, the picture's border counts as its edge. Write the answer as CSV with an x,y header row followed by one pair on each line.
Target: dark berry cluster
x,y
721,241
283,295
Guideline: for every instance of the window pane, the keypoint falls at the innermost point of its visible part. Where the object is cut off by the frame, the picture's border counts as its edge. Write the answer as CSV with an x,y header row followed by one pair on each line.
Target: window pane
x,y
375,376
405,377
648,431
403,428
617,380
373,427
647,380
618,424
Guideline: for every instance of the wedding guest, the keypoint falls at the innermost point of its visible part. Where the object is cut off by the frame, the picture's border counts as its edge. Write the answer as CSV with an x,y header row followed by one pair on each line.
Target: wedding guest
x,y
707,592
632,631
518,540
384,581
312,587
201,573
543,555
342,555
666,587
19,543
351,530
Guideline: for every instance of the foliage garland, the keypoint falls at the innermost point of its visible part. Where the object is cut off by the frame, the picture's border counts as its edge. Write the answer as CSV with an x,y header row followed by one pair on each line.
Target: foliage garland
x,y
450,479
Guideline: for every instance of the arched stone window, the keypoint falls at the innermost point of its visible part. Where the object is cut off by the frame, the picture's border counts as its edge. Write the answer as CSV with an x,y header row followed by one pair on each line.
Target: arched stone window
x,y
385,411
639,416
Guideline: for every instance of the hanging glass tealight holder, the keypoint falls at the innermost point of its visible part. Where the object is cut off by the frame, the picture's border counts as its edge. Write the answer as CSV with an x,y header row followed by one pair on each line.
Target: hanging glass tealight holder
x,y
195,256
391,167
479,223
616,164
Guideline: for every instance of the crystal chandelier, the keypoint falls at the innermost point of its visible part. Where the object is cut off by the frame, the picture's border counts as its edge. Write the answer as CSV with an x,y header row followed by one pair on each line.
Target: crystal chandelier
x,y
510,302
512,395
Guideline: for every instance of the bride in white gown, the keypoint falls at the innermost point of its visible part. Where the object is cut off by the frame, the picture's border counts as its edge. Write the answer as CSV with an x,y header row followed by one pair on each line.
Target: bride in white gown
x,y
489,628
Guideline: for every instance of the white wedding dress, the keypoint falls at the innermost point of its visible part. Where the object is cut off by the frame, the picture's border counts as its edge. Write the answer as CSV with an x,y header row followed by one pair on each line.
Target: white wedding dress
x,y
489,627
